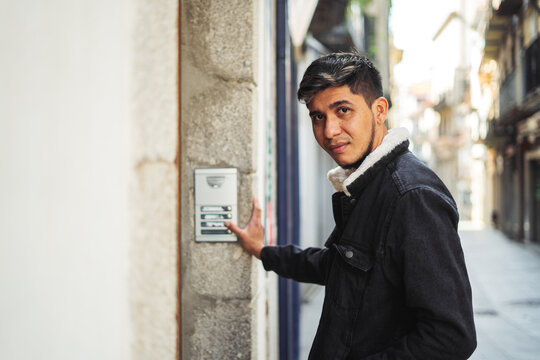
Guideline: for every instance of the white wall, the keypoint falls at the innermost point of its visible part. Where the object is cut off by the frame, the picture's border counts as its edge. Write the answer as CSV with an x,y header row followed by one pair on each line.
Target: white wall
x,y
64,154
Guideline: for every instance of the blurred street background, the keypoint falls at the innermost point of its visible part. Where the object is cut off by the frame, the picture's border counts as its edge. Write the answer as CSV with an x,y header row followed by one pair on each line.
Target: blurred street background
x,y
108,108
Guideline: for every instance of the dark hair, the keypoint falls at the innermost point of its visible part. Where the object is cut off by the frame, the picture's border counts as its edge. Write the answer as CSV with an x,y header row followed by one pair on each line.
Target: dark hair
x,y
339,69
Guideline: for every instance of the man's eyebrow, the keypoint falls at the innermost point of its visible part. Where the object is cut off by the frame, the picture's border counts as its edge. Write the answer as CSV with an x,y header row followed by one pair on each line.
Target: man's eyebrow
x,y
314,112
338,103
332,106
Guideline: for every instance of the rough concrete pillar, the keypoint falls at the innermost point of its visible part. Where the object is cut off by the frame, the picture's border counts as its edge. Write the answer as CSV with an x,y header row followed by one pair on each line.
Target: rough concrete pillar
x,y
218,107
154,193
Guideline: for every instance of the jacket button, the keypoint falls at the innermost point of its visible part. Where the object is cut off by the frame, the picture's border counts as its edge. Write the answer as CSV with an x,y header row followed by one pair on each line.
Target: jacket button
x,y
348,254
353,201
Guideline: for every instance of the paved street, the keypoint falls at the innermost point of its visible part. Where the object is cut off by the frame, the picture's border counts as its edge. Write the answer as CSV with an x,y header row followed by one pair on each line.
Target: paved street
x,y
505,277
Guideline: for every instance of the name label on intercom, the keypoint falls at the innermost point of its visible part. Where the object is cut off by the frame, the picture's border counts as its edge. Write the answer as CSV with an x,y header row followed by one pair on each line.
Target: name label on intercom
x,y
215,203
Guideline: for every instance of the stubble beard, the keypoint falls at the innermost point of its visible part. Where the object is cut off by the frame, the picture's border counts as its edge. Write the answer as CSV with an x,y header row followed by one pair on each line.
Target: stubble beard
x,y
357,163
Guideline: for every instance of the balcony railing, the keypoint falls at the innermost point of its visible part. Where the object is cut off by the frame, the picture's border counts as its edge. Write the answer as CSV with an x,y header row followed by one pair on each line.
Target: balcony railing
x,y
532,67
507,93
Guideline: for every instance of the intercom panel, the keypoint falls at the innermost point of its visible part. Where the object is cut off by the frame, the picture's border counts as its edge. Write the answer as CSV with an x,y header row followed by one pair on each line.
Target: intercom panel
x,y
215,203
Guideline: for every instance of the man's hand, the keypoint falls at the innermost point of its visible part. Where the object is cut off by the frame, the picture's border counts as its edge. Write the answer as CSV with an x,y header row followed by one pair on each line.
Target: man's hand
x,y
252,236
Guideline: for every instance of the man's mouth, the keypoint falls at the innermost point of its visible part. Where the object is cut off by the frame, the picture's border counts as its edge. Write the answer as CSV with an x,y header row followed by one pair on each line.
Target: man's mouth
x,y
338,148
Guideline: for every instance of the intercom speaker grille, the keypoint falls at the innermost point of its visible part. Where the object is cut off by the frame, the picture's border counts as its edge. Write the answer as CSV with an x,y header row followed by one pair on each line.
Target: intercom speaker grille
x,y
215,181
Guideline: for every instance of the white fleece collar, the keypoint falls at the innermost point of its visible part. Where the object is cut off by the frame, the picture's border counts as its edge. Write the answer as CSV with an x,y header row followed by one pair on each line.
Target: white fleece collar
x,y
341,178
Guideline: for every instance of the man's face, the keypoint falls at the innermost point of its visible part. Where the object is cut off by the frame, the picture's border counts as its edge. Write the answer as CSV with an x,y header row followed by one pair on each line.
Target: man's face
x,y
343,125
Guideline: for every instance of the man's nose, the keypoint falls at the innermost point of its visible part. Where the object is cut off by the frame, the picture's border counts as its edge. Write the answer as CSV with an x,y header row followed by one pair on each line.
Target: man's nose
x,y
332,127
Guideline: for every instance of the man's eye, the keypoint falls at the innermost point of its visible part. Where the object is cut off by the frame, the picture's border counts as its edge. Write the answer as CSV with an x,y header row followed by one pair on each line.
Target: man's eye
x,y
344,110
317,117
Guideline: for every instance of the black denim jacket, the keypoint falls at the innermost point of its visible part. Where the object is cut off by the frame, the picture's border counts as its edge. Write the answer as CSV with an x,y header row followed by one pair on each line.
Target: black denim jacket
x,y
393,268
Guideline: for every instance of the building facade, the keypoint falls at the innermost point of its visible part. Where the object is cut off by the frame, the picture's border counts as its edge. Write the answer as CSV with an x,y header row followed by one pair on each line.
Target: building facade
x,y
442,106
510,74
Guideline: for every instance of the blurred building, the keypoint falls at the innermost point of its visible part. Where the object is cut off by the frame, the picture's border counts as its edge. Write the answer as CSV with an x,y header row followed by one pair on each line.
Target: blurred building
x,y
441,110
458,155
510,75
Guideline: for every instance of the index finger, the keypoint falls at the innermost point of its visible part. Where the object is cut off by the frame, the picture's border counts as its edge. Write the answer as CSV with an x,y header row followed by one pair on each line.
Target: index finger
x,y
256,206
233,227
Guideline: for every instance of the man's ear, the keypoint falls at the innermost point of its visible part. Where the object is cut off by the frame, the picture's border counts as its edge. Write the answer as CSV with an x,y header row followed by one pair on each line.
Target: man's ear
x,y
380,109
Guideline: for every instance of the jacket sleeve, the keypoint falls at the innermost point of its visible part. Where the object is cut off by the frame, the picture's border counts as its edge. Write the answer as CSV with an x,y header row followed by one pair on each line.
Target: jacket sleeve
x,y
436,285
289,261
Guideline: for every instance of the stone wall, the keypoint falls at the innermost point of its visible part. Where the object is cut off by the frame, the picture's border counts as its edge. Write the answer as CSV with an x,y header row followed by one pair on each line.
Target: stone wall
x,y
154,186
218,107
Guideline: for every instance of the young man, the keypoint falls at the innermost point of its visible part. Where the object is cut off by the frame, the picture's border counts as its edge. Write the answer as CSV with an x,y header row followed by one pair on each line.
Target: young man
x,y
393,268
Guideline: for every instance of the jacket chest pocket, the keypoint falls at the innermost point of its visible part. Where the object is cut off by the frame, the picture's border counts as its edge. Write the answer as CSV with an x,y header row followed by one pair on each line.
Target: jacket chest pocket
x,y
348,276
